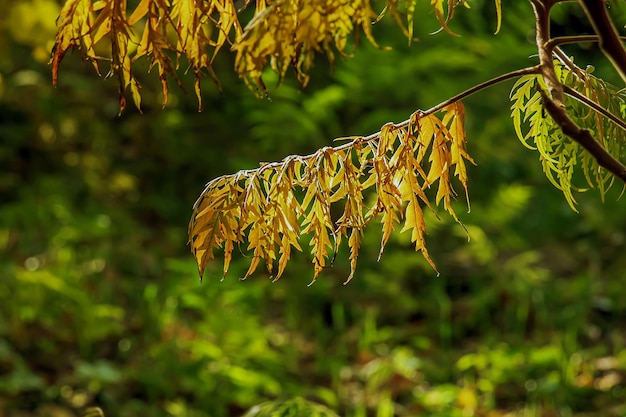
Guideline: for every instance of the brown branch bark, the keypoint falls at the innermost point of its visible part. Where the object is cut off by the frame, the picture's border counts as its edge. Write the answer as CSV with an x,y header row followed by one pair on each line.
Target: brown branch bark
x,y
541,9
609,41
590,103
553,99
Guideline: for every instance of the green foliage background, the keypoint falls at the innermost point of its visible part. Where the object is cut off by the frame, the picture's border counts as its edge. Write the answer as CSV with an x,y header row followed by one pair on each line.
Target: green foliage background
x,y
100,304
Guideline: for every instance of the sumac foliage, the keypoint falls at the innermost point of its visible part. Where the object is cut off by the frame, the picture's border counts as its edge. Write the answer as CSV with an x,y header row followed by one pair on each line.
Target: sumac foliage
x,y
271,207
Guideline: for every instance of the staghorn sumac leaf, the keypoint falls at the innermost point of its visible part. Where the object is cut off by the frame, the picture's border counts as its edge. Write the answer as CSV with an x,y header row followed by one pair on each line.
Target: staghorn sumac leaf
x,y
280,34
558,154
272,207
456,114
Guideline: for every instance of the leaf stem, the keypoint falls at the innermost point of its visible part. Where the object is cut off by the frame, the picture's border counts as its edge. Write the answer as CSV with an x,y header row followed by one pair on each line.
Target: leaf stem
x,y
364,139
453,99
562,40
513,74
588,102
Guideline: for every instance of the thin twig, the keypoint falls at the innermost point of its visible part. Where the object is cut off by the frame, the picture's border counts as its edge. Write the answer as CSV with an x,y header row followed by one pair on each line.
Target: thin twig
x,y
562,56
609,40
588,102
563,40
364,139
483,85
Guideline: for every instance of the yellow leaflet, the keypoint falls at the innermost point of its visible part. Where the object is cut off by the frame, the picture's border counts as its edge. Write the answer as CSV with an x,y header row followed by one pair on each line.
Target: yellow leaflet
x,y
388,220
432,129
414,217
228,255
410,12
204,242
71,22
140,11
410,191
439,13
285,250
386,138
415,223
253,265
310,193
320,240
145,45
354,242
227,20
498,15
458,152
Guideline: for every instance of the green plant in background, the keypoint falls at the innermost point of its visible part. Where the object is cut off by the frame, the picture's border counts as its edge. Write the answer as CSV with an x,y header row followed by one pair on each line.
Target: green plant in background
x,y
295,407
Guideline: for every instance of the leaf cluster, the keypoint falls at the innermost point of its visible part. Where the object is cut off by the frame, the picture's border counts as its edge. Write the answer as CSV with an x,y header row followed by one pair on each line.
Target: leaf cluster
x,y
271,207
594,104
281,34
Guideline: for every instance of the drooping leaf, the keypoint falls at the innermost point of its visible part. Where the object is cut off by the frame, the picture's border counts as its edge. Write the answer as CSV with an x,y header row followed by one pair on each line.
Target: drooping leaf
x,y
259,209
280,34
559,155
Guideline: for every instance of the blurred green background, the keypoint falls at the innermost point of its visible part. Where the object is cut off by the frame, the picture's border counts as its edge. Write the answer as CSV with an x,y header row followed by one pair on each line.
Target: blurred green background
x,y
100,302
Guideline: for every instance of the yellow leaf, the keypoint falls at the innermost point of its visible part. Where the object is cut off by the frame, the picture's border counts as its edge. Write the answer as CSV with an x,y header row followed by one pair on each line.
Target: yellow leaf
x,y
140,12
354,242
442,17
498,14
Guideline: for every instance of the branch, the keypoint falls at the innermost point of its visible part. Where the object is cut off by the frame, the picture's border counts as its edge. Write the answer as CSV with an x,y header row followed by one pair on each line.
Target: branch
x,y
513,74
582,137
481,86
588,102
609,40
553,102
562,56
541,10
364,139
562,40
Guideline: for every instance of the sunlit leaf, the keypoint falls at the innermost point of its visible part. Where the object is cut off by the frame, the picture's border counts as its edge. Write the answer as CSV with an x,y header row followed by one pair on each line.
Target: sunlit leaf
x,y
559,155
279,35
261,207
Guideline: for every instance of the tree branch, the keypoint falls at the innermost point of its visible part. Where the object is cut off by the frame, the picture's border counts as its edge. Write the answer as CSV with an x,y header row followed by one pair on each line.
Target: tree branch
x,y
553,100
363,139
562,40
482,86
609,40
588,102
541,10
513,74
